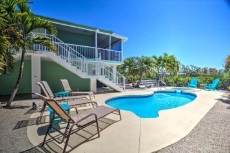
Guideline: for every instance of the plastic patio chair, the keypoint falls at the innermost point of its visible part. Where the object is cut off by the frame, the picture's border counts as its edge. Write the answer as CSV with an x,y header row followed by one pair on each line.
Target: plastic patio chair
x,y
193,83
213,85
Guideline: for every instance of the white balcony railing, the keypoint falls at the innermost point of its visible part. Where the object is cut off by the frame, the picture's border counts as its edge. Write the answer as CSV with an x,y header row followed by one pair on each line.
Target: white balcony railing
x,y
93,53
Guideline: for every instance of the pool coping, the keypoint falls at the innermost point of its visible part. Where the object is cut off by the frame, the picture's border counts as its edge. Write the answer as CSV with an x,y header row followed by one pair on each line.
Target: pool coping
x,y
143,135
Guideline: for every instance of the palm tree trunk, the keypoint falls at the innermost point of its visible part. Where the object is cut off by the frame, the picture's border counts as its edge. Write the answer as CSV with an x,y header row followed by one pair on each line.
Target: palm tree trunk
x,y
142,75
163,78
18,80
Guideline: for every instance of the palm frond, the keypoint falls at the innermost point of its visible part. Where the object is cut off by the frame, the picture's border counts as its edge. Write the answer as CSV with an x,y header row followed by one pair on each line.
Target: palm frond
x,y
37,23
41,40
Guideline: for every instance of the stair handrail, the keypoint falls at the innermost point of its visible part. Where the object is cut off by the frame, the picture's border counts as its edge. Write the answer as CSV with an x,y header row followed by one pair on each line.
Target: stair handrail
x,y
57,41
117,74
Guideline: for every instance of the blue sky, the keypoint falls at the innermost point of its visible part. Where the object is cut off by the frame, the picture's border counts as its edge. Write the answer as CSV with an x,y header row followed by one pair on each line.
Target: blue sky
x,y
197,32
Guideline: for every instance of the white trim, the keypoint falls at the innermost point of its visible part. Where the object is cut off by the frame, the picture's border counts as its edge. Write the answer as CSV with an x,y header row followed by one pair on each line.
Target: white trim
x,y
120,36
70,25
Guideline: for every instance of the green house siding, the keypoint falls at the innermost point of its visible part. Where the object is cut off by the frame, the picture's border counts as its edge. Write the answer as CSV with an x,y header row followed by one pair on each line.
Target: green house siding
x,y
7,82
52,73
75,38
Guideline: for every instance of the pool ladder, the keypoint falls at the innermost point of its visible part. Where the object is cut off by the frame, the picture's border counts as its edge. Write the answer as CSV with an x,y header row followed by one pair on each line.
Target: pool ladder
x,y
158,84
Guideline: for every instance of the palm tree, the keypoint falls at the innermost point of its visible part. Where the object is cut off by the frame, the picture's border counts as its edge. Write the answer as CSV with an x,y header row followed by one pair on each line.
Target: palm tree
x,y
157,65
145,66
129,68
170,64
8,32
26,22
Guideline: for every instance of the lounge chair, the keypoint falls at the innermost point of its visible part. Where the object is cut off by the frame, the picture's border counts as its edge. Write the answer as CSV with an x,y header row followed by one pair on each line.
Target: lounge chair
x,y
81,120
48,92
72,100
66,87
213,85
193,83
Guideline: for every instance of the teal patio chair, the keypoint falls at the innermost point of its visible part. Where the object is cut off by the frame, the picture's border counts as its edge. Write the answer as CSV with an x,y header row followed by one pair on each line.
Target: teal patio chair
x,y
193,83
213,85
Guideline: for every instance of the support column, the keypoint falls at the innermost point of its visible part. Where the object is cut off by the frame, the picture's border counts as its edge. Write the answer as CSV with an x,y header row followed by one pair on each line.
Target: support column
x,y
121,56
93,85
109,55
96,52
35,74
114,73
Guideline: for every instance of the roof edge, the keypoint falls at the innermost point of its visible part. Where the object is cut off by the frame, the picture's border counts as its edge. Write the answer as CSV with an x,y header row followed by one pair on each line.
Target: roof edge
x,y
59,21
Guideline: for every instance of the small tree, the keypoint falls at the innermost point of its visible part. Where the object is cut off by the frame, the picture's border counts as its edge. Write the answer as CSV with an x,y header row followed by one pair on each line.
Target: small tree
x,y
145,66
21,15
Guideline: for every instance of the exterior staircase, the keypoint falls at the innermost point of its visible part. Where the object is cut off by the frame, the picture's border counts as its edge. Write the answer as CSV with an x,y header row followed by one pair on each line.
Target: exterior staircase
x,y
71,59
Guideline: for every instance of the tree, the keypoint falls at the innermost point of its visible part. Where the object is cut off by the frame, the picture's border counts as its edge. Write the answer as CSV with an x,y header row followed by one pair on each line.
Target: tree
x,y
8,33
144,66
157,64
170,64
21,15
227,63
129,68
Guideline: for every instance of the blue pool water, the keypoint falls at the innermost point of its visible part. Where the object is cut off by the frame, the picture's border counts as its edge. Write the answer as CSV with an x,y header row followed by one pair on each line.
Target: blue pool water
x,y
149,106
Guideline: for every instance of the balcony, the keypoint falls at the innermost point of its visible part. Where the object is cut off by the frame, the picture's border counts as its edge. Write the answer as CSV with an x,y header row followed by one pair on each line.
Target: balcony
x,y
93,53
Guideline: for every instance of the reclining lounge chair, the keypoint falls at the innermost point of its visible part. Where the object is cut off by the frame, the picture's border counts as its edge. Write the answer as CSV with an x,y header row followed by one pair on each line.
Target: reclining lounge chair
x,y
72,100
66,87
81,120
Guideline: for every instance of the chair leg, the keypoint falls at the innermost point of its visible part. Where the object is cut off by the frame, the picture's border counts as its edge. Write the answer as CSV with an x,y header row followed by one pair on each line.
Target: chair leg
x,y
98,132
42,111
48,129
119,113
67,139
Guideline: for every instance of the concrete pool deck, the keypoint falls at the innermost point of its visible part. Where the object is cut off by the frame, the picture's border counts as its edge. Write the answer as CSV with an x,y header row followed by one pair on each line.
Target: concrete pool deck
x,y
133,134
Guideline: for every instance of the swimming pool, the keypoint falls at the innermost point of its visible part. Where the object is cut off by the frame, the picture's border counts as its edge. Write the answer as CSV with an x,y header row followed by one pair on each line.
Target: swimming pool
x,y
149,106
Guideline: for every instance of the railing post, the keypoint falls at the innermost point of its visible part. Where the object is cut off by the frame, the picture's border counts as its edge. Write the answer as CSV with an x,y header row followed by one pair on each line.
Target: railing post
x,y
68,54
103,69
96,66
82,64
86,69
109,51
123,82
114,70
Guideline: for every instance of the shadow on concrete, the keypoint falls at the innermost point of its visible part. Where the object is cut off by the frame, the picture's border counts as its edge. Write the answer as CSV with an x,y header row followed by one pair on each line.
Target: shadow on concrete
x,y
77,138
30,122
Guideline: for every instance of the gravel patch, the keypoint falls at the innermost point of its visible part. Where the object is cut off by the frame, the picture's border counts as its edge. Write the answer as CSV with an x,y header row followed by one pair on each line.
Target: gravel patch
x,y
211,134
13,127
